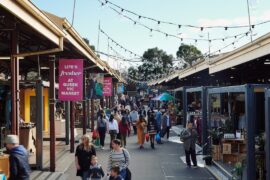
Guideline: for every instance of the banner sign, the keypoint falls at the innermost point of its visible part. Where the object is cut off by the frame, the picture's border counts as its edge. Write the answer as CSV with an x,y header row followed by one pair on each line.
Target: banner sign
x,y
70,80
95,85
120,88
107,86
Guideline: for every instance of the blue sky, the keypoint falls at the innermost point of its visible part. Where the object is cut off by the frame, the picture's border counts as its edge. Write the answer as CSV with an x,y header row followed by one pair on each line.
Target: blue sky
x,y
138,39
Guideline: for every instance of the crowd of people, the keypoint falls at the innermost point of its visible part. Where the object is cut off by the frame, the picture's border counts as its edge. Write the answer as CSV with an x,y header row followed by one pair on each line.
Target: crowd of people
x,y
147,124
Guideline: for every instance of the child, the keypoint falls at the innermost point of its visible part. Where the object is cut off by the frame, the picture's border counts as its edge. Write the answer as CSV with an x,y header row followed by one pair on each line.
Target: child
x,y
96,172
115,171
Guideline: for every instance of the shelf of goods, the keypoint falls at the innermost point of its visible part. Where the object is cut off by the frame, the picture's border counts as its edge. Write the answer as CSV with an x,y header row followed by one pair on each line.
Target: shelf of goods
x,y
233,150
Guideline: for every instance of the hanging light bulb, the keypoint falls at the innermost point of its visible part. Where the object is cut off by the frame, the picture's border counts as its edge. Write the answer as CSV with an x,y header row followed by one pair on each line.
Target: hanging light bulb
x,y
151,35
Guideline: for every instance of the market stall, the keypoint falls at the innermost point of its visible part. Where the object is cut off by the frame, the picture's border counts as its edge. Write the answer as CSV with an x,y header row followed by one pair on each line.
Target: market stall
x,y
196,106
267,132
180,96
236,124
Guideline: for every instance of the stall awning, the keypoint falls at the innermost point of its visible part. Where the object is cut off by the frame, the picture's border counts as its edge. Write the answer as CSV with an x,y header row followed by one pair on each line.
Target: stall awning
x,y
75,39
194,69
32,16
251,51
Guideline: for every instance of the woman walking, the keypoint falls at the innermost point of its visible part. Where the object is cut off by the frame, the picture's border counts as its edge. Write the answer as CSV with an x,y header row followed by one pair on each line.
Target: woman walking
x,y
152,129
118,157
124,131
141,124
113,129
83,155
102,127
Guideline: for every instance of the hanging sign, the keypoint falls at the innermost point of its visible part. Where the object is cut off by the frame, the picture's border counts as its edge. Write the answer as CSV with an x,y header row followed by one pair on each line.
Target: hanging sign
x,y
70,80
95,86
120,88
107,86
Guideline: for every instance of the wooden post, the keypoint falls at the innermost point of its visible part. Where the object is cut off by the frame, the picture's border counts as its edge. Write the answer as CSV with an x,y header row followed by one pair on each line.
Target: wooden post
x,y
52,113
88,112
84,104
67,115
72,120
92,115
14,83
39,124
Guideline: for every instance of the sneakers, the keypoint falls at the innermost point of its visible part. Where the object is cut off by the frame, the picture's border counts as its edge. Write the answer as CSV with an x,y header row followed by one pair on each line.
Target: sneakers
x,y
102,147
195,167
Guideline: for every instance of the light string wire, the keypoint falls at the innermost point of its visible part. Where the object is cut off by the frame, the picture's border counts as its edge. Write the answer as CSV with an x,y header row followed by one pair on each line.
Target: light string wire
x,y
175,36
178,25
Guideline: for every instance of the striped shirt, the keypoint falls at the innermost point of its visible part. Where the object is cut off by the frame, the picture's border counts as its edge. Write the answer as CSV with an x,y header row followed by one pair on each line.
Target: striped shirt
x,y
118,159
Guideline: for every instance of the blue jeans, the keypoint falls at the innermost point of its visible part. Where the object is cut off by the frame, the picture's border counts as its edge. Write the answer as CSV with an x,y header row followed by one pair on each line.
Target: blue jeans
x,y
123,173
85,175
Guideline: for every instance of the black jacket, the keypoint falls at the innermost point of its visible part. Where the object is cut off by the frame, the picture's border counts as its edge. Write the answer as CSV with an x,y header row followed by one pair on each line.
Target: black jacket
x,y
84,158
96,172
19,166
152,127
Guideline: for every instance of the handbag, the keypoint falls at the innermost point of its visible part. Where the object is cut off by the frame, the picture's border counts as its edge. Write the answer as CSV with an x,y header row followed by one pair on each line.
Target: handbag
x,y
128,172
94,135
147,137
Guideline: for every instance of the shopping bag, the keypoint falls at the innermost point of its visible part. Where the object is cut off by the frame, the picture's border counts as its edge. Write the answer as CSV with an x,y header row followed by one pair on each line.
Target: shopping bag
x,y
157,138
95,134
97,141
147,137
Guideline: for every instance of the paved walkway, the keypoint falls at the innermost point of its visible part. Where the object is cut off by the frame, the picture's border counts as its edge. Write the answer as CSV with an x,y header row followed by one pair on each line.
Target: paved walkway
x,y
163,163
166,162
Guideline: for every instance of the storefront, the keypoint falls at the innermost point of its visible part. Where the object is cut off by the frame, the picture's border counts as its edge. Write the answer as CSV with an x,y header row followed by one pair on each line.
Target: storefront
x,y
236,124
196,106
267,133
180,99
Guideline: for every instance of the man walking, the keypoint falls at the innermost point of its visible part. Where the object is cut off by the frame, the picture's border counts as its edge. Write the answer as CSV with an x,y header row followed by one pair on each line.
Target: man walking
x,y
189,137
158,119
166,124
134,117
19,166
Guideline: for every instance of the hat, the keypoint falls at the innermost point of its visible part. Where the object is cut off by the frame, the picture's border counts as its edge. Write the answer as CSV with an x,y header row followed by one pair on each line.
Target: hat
x,y
12,139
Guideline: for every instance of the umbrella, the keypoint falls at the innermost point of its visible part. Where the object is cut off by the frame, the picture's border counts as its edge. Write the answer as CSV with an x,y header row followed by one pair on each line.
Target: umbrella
x,y
164,97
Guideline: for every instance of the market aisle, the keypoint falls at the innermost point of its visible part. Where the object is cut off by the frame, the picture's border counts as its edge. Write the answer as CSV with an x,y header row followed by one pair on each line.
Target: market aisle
x,y
162,163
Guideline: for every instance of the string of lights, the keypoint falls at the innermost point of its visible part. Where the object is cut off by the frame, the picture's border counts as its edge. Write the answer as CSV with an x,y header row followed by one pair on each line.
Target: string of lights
x,y
177,36
117,44
142,58
117,57
159,22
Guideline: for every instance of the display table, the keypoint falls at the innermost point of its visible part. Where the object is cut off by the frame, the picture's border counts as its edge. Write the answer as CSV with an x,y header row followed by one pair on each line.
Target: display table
x,y
233,150
28,138
4,164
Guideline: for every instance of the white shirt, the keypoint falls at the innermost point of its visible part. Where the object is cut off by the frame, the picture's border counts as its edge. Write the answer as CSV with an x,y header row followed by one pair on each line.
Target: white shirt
x,y
113,125
168,120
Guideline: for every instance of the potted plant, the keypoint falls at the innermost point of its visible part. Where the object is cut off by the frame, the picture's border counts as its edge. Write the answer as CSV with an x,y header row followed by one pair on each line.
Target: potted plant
x,y
238,171
208,157
216,135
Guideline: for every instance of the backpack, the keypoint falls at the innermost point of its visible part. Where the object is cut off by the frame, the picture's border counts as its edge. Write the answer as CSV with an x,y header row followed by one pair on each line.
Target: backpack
x,y
182,135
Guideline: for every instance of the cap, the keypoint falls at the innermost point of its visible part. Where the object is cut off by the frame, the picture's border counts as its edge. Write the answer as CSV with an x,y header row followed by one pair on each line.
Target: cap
x,y
12,139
